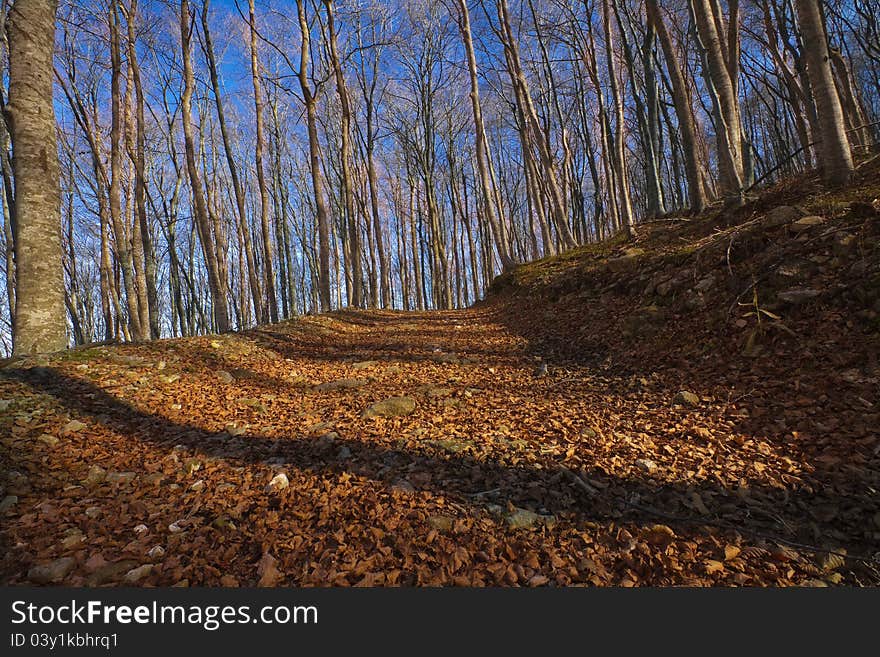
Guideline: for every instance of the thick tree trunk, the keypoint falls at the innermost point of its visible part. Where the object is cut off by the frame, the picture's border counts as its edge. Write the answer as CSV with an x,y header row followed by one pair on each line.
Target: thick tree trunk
x,y
836,159
40,323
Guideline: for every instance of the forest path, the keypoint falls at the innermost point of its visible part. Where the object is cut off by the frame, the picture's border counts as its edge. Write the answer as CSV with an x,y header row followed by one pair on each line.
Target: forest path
x,y
395,448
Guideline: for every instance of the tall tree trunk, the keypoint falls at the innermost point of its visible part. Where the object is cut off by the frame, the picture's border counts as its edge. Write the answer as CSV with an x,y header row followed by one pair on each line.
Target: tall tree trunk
x,y
722,63
216,287
482,147
40,323
152,323
314,159
683,111
353,234
836,160
259,146
247,244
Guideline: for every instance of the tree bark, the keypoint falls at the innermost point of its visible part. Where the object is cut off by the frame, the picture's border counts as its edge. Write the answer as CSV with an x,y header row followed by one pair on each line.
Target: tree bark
x,y
40,323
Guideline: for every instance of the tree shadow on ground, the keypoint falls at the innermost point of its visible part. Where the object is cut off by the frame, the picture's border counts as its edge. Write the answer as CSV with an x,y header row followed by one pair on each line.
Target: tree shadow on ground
x,y
545,487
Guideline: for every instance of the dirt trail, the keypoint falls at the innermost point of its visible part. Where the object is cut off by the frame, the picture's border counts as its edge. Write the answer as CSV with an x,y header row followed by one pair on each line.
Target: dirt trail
x,y
159,464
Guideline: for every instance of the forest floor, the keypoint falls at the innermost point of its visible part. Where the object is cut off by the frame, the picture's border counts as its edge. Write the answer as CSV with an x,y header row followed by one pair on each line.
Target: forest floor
x,y
612,416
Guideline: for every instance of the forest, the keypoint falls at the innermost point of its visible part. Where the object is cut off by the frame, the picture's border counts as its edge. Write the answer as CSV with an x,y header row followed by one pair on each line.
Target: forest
x,y
541,293
227,164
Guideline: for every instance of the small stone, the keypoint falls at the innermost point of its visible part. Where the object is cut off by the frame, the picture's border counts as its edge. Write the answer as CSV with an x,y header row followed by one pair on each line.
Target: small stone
x,y
156,552
784,214
437,392
441,523
96,475
5,404
225,376
341,384
72,538
278,482
798,295
525,519
141,529
135,575
686,398
94,512
176,527
806,223
392,407
198,486
8,502
541,370
344,452
623,263
110,572
72,427
192,465
169,378
48,439
120,477
646,465
364,364
53,571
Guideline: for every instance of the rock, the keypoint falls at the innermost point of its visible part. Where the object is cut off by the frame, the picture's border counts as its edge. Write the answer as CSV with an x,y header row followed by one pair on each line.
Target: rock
x,y
94,512
72,538
342,384
169,378
5,405
198,486
8,502
156,552
441,523
705,284
436,392
135,575
525,519
110,572
225,376
798,295
176,527
403,486
120,477
54,571
344,452
646,465
540,371
623,263
48,439
806,223
141,529
780,216
278,482
72,427
686,398
96,475
364,364
391,407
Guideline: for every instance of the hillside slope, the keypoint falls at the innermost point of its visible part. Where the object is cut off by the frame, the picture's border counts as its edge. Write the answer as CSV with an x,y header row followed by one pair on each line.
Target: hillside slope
x,y
699,407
